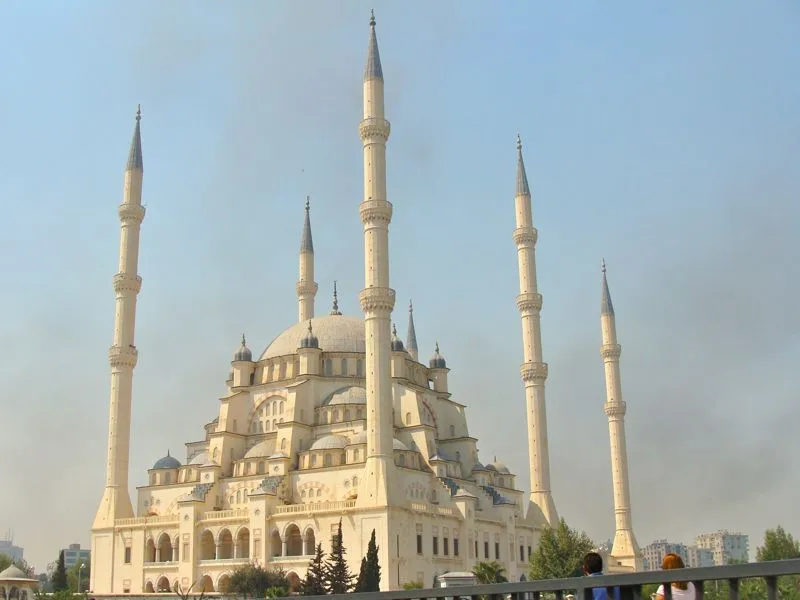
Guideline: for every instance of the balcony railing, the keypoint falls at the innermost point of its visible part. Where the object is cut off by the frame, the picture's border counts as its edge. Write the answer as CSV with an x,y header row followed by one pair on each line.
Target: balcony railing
x,y
630,585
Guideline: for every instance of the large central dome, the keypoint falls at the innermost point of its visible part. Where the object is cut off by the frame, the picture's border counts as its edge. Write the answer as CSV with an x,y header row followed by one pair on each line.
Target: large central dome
x,y
336,333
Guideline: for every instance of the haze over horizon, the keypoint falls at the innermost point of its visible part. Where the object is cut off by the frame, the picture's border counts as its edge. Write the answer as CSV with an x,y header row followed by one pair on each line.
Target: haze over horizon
x,y
663,138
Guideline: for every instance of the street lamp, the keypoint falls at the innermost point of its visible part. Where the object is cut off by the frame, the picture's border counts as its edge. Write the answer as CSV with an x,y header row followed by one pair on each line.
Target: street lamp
x,y
80,569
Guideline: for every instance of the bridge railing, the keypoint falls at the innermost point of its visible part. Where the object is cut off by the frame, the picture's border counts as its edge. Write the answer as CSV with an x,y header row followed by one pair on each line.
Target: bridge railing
x,y
629,584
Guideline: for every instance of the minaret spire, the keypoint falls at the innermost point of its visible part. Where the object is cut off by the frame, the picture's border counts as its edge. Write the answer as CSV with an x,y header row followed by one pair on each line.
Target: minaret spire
x,y
411,338
377,298
122,357
534,370
625,548
306,286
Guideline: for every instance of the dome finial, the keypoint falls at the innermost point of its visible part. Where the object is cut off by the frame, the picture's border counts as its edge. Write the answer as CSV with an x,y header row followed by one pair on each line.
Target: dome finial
x,y
437,347
335,309
603,266
167,451
519,142
394,330
308,203
138,112
372,17
244,340
309,326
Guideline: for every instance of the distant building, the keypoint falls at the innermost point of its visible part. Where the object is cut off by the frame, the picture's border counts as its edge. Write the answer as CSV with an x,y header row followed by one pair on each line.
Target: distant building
x,y
726,547
7,547
75,554
653,554
699,557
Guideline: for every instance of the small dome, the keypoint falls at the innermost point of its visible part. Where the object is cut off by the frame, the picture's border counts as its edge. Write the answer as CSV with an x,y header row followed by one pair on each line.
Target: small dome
x,y
499,467
243,353
479,467
309,340
14,572
397,343
168,462
437,361
462,493
398,445
330,442
260,450
201,459
351,394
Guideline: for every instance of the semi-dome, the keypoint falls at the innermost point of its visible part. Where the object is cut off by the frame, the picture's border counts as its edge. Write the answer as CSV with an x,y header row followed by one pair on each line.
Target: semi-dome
x,y
243,353
330,442
361,438
351,394
260,450
398,445
168,462
335,333
201,459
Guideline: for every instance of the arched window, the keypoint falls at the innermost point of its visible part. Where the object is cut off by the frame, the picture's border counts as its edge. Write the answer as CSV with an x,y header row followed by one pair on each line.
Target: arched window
x,y
452,431
328,460
283,444
313,460
355,481
356,454
328,365
268,409
408,418
346,414
359,368
344,366
281,406
319,493
260,467
235,427
458,455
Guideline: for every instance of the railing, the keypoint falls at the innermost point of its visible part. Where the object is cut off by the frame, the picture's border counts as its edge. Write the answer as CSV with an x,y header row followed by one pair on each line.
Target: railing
x,y
153,520
630,585
315,507
219,515
433,509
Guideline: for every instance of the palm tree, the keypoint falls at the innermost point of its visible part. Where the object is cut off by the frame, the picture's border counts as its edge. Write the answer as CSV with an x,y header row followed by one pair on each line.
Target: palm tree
x,y
490,572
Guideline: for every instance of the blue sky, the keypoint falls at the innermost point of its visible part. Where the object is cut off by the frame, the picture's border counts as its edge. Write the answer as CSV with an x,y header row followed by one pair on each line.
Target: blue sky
x,y
661,136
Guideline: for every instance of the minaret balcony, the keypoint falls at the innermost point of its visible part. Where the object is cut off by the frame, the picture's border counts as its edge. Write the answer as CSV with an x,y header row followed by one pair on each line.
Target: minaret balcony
x,y
374,127
529,302
534,371
615,409
377,300
305,287
119,356
131,212
375,211
525,236
124,282
610,351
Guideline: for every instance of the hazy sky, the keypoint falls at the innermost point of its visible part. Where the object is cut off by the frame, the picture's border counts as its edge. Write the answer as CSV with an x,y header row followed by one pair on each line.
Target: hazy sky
x,y
662,136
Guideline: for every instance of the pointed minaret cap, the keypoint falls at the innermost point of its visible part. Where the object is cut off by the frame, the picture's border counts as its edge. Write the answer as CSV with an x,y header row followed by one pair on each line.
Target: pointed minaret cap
x,y
243,353
397,343
606,307
135,155
522,177
306,241
335,307
373,69
411,338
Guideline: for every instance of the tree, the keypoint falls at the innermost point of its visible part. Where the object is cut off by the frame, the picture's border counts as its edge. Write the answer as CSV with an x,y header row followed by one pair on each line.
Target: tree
x,y
60,574
314,583
74,573
489,572
369,579
560,553
255,581
338,578
778,545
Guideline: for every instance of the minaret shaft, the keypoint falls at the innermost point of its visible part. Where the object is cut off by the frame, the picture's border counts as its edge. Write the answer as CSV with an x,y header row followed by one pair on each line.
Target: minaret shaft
x,y
534,370
306,285
116,502
377,298
625,548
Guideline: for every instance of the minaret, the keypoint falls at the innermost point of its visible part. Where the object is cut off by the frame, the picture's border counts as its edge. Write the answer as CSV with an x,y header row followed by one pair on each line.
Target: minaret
x,y
306,286
625,548
377,298
534,371
116,502
411,338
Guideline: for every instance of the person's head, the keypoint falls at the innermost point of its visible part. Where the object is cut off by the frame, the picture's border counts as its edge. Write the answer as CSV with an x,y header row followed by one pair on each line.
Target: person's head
x,y
592,563
673,561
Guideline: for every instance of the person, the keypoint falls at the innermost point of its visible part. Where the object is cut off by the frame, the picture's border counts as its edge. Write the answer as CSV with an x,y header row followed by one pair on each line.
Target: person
x,y
681,590
593,567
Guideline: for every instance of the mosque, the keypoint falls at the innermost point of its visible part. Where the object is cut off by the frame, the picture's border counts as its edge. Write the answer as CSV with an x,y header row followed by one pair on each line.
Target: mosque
x,y
337,419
